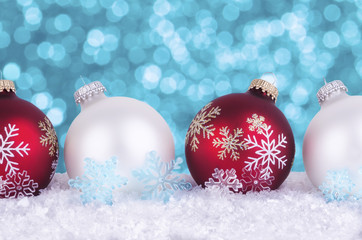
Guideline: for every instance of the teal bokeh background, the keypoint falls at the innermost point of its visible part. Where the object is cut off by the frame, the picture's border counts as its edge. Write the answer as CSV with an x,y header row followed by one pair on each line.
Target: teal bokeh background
x,y
177,55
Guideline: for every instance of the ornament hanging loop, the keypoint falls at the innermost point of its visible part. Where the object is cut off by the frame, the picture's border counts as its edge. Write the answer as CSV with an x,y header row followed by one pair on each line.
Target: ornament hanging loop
x,y
81,77
270,73
325,81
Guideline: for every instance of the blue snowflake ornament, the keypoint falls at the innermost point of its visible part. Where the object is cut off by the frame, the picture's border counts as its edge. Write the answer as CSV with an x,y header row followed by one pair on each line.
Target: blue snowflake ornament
x,y
159,178
98,181
358,194
337,186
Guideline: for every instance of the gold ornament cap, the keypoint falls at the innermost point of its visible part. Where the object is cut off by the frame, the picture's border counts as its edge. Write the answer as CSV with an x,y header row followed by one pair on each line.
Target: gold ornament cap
x,y
329,88
7,85
88,90
266,87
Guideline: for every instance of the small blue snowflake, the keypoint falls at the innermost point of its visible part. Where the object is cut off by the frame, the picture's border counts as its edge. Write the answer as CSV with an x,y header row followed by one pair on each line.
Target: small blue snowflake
x,y
98,181
159,178
337,186
358,194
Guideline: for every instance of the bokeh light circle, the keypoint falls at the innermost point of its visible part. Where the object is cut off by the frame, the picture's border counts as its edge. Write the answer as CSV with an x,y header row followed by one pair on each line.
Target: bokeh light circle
x,y
11,71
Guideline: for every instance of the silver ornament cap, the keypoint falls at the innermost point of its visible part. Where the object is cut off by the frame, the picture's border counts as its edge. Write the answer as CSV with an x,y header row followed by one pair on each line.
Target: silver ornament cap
x,y
88,90
330,88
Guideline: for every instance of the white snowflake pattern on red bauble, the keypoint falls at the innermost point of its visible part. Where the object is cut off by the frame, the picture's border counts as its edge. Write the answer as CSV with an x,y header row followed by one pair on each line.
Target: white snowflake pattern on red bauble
x,y
18,185
255,180
11,150
268,149
224,179
28,146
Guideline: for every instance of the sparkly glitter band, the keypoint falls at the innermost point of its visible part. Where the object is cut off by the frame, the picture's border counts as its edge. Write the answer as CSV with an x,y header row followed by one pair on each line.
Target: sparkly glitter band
x,y
7,85
266,87
88,90
329,88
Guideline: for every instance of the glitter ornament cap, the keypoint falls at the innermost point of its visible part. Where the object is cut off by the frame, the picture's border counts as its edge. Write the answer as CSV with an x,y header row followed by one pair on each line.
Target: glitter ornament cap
x,y
266,87
7,85
88,90
329,88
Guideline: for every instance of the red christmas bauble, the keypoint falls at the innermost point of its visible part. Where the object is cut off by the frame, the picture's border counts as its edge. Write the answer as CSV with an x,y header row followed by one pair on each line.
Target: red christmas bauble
x,y
241,141
28,146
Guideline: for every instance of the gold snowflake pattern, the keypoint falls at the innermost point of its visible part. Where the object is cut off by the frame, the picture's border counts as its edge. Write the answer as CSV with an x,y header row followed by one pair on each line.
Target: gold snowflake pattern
x,y
257,123
50,137
202,123
230,143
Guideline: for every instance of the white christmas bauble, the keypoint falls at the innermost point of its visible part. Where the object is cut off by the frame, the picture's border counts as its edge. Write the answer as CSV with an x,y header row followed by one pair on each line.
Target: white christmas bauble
x,y
119,127
333,140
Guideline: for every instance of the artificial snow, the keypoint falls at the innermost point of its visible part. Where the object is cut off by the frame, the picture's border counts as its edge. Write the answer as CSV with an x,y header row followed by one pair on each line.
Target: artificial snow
x,y
295,211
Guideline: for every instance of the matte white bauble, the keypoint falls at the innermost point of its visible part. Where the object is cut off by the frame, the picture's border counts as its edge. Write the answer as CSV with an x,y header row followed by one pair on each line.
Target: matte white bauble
x,y
119,127
333,140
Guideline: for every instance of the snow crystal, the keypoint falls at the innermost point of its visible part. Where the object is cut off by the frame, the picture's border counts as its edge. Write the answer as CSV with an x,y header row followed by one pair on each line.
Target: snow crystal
x,y
254,180
160,179
227,179
98,181
338,186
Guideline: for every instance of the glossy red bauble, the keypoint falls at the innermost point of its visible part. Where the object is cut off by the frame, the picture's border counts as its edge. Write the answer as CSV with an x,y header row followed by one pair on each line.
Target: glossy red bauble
x,y
241,141
28,147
